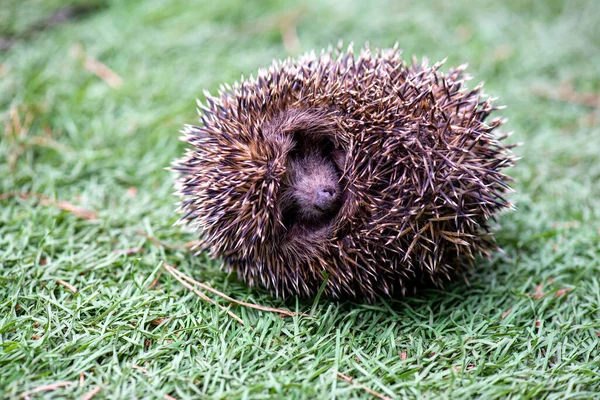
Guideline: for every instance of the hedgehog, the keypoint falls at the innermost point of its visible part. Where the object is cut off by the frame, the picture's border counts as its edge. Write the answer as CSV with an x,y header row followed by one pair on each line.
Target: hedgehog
x,y
358,177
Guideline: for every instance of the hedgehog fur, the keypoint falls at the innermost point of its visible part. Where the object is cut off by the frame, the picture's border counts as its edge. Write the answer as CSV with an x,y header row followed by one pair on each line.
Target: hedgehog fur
x,y
417,168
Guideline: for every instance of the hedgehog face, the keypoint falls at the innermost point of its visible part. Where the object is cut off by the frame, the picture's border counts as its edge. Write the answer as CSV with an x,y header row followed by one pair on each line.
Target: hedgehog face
x,y
312,192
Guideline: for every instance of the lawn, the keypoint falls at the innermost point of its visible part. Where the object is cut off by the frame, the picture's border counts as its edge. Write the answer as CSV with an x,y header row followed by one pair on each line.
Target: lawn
x,y
91,109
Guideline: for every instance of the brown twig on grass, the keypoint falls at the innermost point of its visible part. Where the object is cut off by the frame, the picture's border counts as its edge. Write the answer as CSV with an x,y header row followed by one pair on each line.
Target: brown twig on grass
x,y
562,292
289,32
67,285
155,281
97,68
158,242
231,299
45,388
19,129
49,143
48,201
285,22
175,274
365,388
538,294
103,72
89,395
17,132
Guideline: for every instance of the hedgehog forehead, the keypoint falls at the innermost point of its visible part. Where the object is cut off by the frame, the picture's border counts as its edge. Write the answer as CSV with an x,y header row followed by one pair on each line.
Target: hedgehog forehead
x,y
308,123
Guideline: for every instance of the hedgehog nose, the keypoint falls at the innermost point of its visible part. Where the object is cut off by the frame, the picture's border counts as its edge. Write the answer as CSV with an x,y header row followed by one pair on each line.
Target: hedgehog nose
x,y
325,197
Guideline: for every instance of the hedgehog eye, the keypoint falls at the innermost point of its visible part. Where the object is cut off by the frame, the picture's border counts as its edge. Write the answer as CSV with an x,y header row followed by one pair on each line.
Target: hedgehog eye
x,y
294,149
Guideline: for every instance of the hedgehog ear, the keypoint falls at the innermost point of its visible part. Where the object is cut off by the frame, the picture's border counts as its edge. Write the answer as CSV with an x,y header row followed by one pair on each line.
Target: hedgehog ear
x,y
339,158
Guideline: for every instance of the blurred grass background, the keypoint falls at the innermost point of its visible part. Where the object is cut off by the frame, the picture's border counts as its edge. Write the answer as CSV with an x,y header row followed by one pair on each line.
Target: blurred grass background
x,y
92,104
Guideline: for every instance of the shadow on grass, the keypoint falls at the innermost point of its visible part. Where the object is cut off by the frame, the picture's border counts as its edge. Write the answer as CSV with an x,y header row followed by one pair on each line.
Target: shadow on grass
x,y
57,17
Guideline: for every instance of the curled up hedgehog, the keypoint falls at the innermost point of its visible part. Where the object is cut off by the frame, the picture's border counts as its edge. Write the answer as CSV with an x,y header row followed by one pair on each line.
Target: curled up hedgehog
x,y
365,173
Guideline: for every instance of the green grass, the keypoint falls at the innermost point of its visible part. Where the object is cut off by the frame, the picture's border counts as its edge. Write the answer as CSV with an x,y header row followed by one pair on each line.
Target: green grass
x,y
89,143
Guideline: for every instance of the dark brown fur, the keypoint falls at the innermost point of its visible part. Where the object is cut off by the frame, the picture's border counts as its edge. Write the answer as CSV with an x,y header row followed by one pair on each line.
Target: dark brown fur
x,y
412,163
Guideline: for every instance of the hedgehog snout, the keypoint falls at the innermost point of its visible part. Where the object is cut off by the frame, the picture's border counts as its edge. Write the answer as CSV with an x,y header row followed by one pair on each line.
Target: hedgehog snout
x,y
325,197
316,198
